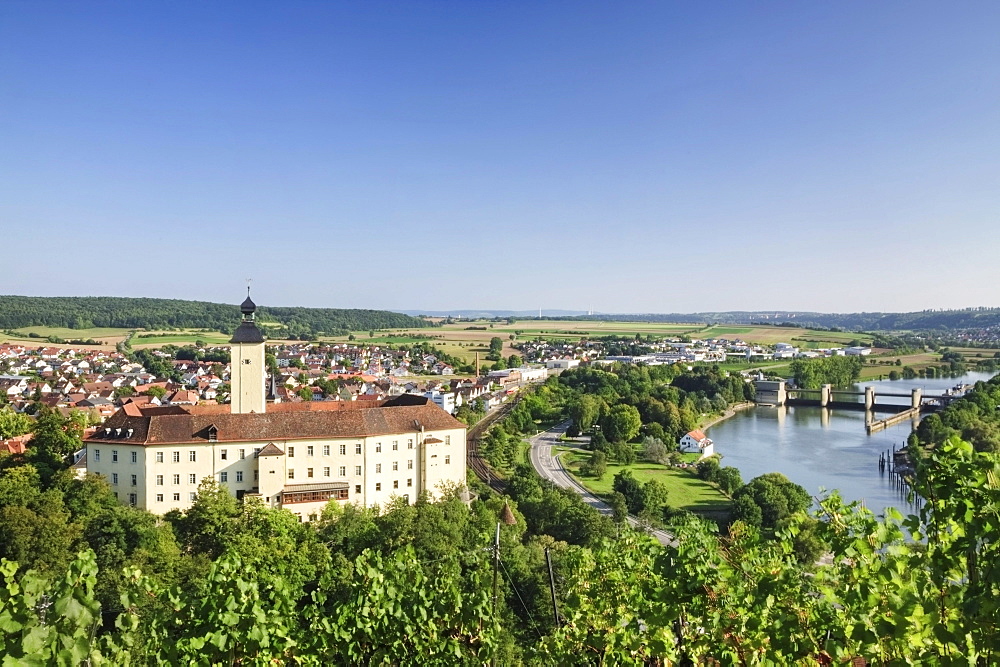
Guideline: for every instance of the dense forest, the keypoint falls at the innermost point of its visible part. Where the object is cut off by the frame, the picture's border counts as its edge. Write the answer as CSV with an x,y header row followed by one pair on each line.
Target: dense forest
x,y
924,320
134,313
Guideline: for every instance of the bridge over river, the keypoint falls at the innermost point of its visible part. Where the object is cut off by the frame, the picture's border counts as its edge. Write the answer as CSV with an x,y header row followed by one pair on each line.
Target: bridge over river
x,y
778,393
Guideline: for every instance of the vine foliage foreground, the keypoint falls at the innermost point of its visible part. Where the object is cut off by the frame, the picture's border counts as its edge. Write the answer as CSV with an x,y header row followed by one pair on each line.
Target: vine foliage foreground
x,y
919,590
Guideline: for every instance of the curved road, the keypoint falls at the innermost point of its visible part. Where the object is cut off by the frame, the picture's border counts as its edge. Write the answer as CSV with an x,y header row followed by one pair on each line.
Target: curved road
x,y
551,468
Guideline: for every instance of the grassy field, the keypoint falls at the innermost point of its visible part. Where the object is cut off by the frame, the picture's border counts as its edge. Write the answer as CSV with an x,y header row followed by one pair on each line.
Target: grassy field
x,y
179,338
107,337
685,490
460,340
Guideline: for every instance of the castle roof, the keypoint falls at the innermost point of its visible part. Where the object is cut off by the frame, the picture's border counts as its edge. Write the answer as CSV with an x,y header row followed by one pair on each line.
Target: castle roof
x,y
177,424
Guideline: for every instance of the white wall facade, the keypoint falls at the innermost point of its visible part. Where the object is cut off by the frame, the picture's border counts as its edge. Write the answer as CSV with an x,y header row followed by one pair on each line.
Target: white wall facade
x,y
375,468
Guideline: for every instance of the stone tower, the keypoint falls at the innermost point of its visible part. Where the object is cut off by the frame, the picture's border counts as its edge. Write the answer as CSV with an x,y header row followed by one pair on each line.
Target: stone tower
x,y
246,377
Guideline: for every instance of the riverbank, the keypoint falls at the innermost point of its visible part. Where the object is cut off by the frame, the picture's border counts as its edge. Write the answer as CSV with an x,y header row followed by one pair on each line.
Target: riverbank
x,y
739,407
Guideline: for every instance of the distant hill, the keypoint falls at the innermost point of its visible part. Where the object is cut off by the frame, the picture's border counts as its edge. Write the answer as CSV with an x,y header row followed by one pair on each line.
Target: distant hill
x,y
488,314
133,313
924,320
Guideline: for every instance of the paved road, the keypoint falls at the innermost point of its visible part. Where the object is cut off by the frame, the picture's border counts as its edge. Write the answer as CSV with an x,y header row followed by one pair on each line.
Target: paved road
x,y
551,468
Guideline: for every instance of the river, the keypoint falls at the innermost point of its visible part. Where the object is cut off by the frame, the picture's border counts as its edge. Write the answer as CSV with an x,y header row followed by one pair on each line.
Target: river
x,y
819,448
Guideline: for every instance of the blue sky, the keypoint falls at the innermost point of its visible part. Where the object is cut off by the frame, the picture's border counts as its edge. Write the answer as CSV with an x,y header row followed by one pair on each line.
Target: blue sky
x,y
632,157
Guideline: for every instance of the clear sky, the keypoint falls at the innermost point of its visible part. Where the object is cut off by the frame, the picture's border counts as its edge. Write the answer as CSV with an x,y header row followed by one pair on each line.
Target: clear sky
x,y
629,156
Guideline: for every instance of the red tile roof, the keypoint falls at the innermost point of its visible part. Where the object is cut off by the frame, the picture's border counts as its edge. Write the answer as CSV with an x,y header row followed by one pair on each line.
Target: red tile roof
x,y
698,435
282,421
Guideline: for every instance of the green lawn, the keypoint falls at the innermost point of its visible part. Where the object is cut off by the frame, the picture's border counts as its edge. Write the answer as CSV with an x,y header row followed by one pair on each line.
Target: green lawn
x,y
180,338
686,491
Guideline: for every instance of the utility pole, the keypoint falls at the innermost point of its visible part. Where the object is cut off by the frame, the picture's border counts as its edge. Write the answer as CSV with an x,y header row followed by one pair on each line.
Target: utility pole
x,y
552,588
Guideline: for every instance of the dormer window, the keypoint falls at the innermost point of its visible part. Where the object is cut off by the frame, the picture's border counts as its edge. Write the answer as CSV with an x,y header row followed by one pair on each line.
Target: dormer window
x,y
213,433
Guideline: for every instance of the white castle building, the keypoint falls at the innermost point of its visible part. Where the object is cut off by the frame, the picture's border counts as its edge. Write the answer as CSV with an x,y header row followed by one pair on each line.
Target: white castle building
x,y
293,455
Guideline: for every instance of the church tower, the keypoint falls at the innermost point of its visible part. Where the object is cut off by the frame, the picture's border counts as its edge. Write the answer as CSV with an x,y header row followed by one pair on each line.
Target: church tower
x,y
246,377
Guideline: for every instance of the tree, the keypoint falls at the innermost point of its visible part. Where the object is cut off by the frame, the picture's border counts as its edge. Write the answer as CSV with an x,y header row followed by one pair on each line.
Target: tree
x,y
13,424
654,451
775,495
622,423
156,391
596,466
513,361
586,410
496,345
654,498
623,452
627,485
728,479
708,468
619,506
54,441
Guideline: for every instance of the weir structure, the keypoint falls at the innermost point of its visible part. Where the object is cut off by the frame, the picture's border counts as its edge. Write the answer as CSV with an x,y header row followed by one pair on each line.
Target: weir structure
x,y
778,393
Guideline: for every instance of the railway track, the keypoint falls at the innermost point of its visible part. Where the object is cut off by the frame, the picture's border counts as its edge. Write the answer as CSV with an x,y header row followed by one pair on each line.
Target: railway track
x,y
484,471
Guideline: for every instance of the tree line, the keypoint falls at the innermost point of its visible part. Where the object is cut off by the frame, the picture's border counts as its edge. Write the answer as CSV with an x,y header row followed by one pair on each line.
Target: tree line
x,y
144,313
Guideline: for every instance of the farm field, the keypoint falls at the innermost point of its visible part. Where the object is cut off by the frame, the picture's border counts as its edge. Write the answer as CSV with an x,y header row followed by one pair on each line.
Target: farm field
x,y
685,490
107,337
141,339
463,341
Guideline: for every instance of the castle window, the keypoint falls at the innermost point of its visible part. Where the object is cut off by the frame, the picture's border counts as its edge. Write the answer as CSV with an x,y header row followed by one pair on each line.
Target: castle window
x,y
192,456
114,478
309,450
114,455
177,479
447,459
239,475
159,457
309,472
378,486
159,497
342,471
357,488
357,470
223,454
192,479
177,497
291,452
159,480
291,473
135,457
223,476
177,457
357,448
97,455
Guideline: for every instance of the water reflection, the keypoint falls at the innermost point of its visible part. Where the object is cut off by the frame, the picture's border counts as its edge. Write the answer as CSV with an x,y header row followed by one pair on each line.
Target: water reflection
x,y
821,448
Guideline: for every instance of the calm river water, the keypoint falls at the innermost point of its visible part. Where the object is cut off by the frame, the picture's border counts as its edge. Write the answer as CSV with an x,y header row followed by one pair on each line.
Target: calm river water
x,y
820,448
